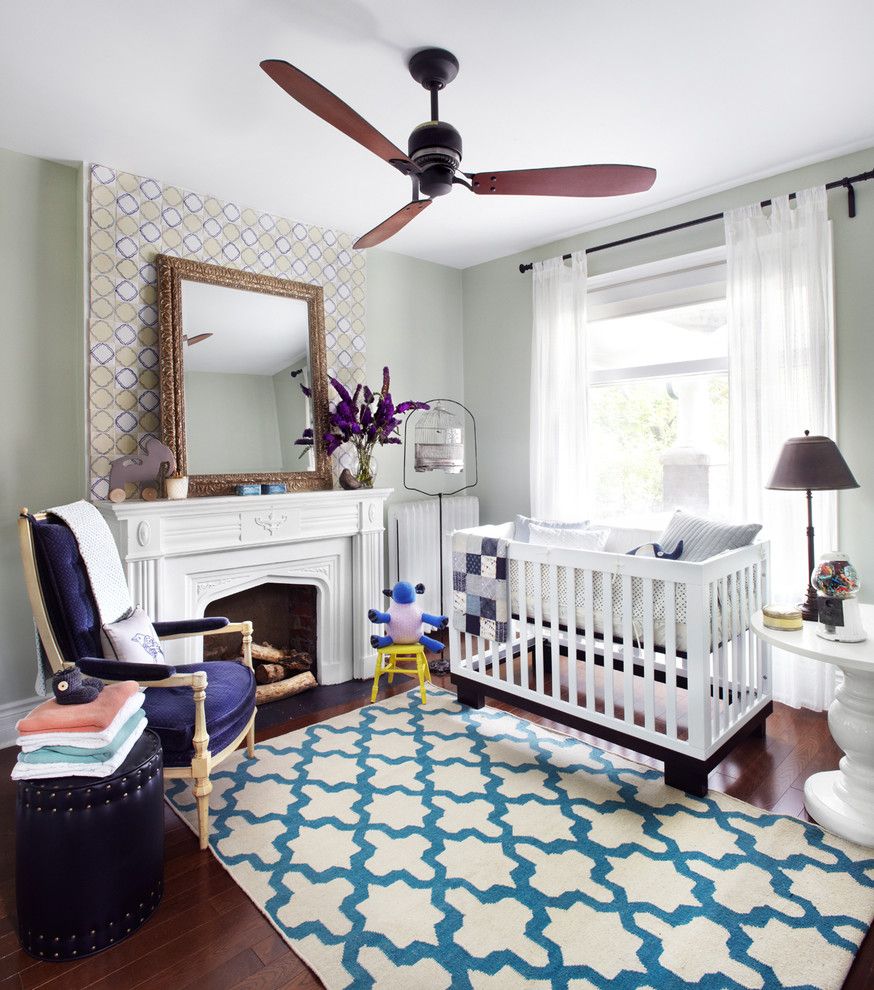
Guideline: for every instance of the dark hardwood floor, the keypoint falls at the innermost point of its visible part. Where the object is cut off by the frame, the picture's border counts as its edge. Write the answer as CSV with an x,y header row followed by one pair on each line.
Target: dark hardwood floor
x,y
207,933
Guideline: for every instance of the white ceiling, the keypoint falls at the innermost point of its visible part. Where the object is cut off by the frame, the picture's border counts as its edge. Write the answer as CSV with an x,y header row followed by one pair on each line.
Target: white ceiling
x,y
252,333
711,94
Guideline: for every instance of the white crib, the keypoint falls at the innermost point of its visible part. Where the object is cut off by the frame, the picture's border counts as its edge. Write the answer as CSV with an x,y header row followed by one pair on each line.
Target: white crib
x,y
656,655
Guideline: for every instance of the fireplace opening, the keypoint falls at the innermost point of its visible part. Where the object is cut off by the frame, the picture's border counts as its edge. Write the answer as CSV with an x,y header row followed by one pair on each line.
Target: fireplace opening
x,y
285,641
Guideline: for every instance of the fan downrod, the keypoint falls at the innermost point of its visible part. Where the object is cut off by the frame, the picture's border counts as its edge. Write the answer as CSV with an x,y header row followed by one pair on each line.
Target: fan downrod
x,y
433,68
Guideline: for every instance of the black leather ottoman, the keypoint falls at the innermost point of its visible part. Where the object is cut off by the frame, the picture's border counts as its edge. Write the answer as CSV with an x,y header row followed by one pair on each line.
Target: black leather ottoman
x,y
90,856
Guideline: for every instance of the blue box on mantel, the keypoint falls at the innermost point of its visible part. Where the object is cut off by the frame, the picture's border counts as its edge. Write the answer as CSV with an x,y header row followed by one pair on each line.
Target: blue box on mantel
x,y
274,488
248,489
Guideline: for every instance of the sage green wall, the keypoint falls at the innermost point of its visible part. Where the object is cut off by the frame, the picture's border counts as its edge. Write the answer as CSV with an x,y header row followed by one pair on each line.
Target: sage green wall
x,y
42,442
497,335
414,325
231,423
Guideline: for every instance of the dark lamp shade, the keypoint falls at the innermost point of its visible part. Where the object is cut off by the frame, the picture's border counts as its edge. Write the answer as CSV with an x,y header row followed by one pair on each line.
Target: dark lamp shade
x,y
811,464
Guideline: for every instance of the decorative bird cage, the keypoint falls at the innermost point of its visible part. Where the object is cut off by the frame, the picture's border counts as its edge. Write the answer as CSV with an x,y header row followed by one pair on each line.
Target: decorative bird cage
x,y
439,441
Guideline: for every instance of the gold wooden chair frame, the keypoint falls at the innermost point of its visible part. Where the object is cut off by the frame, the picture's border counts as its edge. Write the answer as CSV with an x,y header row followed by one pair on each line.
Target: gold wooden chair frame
x,y
203,760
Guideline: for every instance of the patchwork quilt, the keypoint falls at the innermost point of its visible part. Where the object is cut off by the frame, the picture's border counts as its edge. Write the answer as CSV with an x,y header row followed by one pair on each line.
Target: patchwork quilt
x,y
480,601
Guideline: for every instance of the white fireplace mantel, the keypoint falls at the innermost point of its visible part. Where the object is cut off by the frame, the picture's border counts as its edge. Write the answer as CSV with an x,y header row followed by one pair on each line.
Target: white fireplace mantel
x,y
181,555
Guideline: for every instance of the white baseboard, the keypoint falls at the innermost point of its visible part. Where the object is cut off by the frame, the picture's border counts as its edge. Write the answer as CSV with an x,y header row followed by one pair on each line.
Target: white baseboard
x,y
10,713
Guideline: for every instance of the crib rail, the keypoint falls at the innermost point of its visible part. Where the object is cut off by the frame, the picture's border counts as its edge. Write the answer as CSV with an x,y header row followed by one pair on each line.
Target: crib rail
x,y
659,649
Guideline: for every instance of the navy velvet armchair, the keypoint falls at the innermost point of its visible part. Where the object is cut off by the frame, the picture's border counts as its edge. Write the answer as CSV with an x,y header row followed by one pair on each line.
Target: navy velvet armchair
x,y
201,712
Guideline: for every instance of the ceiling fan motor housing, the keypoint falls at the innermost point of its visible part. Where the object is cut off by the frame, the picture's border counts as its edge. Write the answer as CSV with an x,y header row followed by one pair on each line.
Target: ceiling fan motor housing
x,y
435,147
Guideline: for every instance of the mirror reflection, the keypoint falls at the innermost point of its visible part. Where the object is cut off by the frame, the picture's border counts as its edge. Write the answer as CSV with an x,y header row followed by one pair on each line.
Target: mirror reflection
x,y
245,355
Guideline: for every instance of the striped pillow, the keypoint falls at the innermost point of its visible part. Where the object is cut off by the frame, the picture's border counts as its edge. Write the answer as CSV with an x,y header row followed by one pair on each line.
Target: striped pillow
x,y
705,538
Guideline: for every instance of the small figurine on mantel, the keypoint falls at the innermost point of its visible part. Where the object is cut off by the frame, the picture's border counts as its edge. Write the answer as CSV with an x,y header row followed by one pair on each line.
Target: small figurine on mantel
x,y
148,471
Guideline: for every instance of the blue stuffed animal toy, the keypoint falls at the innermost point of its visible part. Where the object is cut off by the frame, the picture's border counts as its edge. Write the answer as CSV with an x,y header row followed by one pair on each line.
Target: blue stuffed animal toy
x,y
405,620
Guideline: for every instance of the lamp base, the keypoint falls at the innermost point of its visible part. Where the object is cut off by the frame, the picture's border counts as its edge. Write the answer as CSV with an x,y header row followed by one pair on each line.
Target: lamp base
x,y
809,610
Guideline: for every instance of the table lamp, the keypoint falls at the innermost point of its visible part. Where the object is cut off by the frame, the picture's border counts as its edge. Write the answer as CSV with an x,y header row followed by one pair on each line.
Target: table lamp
x,y
811,464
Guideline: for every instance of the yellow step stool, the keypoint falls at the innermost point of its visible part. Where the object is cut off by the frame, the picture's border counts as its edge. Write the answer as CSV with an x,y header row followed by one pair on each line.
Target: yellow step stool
x,y
387,662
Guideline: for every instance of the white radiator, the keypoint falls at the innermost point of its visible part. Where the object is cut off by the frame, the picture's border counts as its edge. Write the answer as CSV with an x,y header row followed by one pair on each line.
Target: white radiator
x,y
413,548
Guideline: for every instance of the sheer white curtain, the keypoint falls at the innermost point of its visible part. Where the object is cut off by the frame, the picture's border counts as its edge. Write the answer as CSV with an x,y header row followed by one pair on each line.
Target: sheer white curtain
x,y
781,382
558,389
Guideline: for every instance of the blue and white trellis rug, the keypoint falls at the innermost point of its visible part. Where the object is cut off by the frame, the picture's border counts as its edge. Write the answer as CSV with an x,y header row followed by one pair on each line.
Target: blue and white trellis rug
x,y
403,846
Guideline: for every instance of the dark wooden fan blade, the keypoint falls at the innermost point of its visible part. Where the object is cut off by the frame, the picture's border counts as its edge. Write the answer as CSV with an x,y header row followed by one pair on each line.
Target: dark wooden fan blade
x,y
571,180
196,339
388,228
332,109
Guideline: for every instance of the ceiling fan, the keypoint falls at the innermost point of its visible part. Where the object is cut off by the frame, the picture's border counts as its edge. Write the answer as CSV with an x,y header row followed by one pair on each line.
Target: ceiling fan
x,y
434,149
196,339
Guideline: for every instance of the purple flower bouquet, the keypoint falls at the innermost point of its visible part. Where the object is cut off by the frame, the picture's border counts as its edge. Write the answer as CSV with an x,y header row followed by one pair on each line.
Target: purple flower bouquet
x,y
364,419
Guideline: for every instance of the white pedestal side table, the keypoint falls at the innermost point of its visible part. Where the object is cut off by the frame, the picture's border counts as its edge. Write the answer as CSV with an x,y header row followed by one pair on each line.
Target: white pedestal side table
x,y
841,800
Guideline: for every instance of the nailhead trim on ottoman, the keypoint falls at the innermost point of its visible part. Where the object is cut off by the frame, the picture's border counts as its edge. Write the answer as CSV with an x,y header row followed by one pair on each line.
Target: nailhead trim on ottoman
x,y
90,856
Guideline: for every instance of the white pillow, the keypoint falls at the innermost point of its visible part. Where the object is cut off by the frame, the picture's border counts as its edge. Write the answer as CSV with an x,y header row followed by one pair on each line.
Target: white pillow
x,y
522,531
132,638
572,537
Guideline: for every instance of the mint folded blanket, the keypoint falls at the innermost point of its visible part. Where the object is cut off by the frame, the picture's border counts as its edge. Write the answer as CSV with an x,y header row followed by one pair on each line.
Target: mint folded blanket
x,y
78,755
73,768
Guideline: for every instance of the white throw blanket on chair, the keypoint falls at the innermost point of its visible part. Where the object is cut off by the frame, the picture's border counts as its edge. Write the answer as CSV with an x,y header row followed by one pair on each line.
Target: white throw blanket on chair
x,y
105,572
100,556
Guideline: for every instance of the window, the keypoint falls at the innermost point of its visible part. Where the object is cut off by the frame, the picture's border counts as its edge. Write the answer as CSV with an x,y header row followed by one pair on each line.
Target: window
x,y
658,388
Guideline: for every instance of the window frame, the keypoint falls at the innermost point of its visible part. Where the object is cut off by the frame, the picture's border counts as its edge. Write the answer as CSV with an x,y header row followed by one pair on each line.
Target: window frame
x,y
683,280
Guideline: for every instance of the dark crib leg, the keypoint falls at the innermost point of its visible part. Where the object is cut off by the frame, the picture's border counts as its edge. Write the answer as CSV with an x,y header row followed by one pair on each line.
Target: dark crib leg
x,y
760,731
470,695
686,774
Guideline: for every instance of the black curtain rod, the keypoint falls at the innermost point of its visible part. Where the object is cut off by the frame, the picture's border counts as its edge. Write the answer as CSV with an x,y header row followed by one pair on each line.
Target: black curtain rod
x,y
846,183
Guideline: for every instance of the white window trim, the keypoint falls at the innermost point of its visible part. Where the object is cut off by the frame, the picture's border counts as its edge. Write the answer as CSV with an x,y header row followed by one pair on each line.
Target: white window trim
x,y
682,280
702,366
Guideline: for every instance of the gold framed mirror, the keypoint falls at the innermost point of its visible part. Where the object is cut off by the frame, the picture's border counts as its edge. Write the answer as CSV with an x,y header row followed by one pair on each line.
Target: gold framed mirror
x,y
234,349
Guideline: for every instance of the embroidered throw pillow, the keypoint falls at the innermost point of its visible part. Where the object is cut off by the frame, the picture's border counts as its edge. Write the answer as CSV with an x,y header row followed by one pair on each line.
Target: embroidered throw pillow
x,y
132,638
705,538
523,526
571,537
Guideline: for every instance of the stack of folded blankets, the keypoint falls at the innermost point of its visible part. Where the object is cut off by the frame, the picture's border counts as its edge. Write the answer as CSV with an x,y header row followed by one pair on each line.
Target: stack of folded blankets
x,y
82,740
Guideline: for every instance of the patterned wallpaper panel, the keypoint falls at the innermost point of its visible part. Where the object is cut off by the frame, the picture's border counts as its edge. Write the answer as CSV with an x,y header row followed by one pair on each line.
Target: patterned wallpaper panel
x,y
132,220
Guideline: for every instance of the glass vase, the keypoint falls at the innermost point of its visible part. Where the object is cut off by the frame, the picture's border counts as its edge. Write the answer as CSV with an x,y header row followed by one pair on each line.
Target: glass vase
x,y
366,473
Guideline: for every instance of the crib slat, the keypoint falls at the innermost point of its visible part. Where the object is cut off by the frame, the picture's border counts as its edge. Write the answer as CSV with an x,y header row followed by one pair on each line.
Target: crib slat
x,y
716,662
760,649
538,629
671,658
723,618
627,651
495,649
607,593
555,632
737,707
524,679
511,634
570,588
455,653
589,634
744,619
766,650
648,656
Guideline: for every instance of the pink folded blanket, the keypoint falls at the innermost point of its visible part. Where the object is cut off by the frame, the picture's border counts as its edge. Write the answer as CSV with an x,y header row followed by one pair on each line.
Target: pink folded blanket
x,y
92,717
